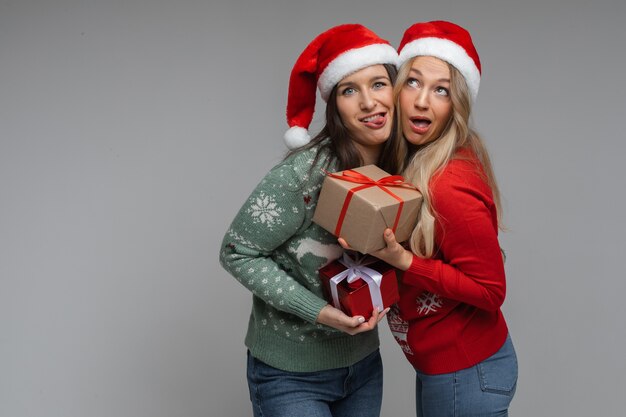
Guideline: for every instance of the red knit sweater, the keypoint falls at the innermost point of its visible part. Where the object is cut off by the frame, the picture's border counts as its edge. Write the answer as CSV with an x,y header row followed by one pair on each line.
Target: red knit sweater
x,y
448,317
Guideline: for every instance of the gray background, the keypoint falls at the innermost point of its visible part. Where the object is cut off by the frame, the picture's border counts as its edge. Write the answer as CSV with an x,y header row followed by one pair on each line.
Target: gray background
x,y
131,132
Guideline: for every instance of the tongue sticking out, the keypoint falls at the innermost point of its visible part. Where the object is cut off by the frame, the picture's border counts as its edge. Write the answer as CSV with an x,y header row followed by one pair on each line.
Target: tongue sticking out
x,y
375,121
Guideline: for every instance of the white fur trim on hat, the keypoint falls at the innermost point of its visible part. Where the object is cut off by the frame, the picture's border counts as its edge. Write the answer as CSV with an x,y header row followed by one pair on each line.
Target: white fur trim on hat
x,y
353,60
296,136
447,51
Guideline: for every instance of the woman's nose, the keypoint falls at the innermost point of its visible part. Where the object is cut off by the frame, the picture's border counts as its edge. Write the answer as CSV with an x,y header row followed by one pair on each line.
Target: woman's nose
x,y
367,101
421,99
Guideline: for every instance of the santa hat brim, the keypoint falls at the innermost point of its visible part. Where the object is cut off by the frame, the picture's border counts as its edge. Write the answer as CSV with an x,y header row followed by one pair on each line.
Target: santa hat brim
x,y
448,51
353,61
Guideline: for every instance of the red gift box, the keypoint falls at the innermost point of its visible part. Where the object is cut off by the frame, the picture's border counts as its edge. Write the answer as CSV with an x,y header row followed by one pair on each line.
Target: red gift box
x,y
357,298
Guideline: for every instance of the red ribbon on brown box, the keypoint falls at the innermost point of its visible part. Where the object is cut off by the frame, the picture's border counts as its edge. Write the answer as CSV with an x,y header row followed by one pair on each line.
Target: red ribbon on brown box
x,y
383,183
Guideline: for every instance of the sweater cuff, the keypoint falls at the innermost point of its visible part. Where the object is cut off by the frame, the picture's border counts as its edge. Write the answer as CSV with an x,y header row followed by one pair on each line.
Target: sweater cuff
x,y
307,305
419,269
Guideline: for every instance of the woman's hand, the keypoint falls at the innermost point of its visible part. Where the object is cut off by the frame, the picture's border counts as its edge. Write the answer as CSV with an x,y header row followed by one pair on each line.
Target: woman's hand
x,y
394,254
337,319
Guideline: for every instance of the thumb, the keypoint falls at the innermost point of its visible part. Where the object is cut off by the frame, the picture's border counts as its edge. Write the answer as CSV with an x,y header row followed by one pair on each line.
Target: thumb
x,y
356,321
390,237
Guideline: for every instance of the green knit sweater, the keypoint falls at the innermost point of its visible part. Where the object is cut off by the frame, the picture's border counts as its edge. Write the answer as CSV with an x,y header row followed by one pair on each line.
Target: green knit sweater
x,y
275,251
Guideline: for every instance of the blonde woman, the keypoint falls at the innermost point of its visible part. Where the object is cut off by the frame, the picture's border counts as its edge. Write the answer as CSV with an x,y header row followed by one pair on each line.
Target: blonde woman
x,y
448,320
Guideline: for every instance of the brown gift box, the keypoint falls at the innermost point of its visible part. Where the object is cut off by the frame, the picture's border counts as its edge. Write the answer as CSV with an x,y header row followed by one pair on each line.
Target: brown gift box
x,y
360,203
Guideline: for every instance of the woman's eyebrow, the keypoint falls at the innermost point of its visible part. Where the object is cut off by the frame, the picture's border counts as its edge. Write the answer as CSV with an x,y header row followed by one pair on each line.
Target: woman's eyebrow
x,y
344,84
418,72
374,78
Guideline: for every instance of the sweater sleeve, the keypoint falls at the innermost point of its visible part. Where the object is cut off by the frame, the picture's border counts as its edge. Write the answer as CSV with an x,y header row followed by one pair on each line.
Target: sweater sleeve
x,y
469,267
272,214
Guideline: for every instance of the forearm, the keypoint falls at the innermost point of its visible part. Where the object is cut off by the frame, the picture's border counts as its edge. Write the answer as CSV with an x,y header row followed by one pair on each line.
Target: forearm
x,y
485,291
260,274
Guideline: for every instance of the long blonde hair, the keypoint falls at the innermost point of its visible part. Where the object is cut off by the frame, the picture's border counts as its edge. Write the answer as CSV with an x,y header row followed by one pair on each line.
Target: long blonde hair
x,y
422,164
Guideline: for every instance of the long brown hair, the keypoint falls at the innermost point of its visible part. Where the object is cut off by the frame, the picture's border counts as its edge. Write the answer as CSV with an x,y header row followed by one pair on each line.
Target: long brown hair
x,y
342,147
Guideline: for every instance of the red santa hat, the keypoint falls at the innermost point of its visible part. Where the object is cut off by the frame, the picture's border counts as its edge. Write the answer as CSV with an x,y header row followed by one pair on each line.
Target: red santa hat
x,y
331,56
446,41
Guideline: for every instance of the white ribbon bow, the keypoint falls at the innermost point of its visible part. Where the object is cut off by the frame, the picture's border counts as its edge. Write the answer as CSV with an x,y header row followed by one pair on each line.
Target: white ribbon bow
x,y
356,270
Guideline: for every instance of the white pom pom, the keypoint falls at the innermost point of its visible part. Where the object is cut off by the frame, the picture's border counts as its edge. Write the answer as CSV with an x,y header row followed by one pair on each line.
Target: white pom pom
x,y
296,136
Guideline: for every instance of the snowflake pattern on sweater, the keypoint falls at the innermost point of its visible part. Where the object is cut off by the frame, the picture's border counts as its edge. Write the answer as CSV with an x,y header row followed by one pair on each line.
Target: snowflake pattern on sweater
x,y
264,209
428,302
273,249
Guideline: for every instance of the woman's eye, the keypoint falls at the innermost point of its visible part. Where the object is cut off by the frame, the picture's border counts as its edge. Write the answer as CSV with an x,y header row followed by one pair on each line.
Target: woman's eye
x,y
412,82
442,91
348,91
379,84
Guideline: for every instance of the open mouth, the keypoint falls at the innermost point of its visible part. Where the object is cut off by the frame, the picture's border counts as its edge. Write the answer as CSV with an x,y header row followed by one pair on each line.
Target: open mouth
x,y
420,124
376,120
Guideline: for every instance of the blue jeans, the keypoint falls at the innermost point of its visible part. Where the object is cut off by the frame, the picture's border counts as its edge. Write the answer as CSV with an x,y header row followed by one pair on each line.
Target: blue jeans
x,y
355,391
482,390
